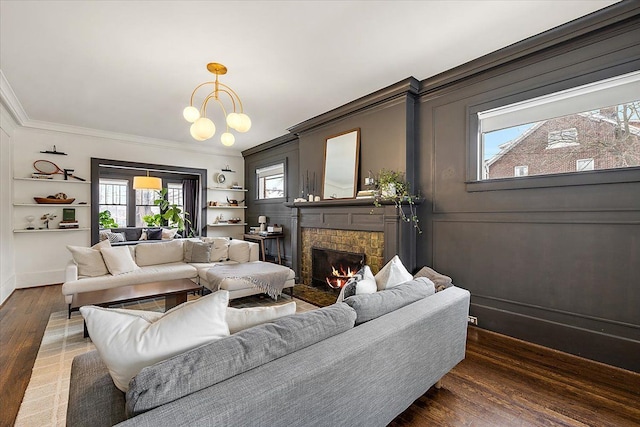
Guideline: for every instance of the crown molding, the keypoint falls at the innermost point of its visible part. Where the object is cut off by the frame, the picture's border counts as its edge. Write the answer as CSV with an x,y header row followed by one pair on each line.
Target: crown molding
x,y
284,139
14,108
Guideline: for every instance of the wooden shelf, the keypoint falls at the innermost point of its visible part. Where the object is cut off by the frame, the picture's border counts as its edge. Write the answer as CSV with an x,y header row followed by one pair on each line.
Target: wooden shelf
x,y
239,190
227,225
226,207
47,230
70,181
77,205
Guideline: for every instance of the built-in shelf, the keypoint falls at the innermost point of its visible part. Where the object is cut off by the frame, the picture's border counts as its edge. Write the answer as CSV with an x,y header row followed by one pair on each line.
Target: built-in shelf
x,y
53,205
70,181
46,230
240,190
226,207
226,225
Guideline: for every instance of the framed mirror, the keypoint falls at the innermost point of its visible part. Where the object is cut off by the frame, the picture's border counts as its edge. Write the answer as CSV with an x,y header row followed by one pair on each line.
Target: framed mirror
x,y
340,175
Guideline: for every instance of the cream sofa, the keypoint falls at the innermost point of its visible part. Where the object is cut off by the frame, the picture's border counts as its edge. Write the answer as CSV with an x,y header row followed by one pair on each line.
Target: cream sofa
x,y
164,261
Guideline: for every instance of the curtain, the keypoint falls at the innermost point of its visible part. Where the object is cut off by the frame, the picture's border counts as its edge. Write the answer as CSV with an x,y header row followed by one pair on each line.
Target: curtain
x,y
190,196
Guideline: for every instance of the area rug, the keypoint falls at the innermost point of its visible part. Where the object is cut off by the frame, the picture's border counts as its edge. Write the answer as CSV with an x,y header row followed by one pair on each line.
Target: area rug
x,y
45,400
314,296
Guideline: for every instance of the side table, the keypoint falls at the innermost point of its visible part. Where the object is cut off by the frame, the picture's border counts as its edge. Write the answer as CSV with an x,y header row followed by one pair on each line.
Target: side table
x,y
260,239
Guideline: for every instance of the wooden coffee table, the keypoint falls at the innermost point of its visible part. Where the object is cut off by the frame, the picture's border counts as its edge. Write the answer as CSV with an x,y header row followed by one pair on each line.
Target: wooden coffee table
x,y
174,293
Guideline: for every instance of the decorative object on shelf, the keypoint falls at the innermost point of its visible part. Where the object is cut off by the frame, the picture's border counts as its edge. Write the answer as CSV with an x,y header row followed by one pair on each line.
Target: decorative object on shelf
x,y
49,168
392,186
57,199
30,219
236,187
60,153
203,128
106,221
234,220
262,220
68,214
212,203
46,218
219,178
38,175
147,182
234,202
227,169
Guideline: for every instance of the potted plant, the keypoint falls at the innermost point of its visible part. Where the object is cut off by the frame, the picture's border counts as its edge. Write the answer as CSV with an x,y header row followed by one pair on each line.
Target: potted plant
x,y
169,213
391,186
106,221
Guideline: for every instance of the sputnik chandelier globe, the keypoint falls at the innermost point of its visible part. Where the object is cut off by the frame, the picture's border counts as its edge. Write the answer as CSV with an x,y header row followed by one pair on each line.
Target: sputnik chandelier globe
x,y
202,128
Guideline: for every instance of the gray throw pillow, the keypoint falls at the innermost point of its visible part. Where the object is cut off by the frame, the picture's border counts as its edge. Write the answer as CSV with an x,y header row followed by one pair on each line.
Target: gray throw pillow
x,y
196,251
371,306
212,363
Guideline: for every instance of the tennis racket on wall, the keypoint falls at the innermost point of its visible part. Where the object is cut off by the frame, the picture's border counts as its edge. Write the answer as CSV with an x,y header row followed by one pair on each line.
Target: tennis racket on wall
x,y
49,168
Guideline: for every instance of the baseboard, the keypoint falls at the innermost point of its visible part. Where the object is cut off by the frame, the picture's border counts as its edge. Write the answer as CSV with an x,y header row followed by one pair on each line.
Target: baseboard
x,y
39,278
6,289
606,348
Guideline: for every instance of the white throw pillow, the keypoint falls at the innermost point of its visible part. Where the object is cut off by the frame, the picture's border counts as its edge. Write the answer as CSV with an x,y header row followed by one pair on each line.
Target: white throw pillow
x,y
119,260
243,318
363,282
392,274
219,248
89,260
169,233
239,251
129,341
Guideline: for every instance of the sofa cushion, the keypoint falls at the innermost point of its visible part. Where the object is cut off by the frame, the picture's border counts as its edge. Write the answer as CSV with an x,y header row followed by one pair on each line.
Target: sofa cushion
x,y
219,248
239,319
159,253
215,362
363,282
370,306
151,273
439,280
128,341
119,260
130,233
392,274
89,260
196,251
239,251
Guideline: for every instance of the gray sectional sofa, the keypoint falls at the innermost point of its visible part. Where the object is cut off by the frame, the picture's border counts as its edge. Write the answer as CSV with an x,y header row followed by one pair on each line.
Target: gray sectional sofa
x,y
357,363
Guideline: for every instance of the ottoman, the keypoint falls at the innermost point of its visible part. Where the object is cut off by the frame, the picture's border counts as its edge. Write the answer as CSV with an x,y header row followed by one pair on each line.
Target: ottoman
x,y
249,278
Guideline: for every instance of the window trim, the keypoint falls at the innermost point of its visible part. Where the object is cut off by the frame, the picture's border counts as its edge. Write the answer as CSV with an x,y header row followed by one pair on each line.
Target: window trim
x,y
265,164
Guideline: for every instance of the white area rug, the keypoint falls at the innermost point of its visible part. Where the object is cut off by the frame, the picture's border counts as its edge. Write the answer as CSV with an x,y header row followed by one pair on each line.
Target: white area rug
x,y
45,400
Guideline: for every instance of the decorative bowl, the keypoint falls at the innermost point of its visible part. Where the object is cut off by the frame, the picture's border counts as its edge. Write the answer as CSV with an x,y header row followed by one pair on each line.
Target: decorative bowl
x,y
48,201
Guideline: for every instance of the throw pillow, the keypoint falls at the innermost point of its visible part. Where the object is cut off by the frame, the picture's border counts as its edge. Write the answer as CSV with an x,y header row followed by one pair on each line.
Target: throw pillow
x,y
154,233
363,282
128,341
392,274
220,248
244,318
371,306
115,237
196,251
169,233
119,260
159,253
89,260
440,281
239,251
103,234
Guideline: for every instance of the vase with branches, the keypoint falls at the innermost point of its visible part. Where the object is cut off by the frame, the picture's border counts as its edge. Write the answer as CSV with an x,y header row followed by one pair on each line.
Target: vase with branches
x,y
392,186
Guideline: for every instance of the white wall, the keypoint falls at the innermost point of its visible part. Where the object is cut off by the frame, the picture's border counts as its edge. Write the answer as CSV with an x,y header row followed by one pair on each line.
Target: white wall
x,y
40,257
7,268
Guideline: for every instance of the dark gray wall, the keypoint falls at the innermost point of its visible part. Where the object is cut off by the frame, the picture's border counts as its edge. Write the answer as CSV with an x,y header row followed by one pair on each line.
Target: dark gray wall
x,y
556,263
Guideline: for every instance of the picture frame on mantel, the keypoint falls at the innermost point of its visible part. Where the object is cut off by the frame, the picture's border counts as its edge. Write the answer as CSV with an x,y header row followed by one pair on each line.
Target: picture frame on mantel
x,y
340,170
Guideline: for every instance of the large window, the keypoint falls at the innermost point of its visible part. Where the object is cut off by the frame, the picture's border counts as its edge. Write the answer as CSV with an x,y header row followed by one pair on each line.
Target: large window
x,y
270,181
113,198
591,127
145,205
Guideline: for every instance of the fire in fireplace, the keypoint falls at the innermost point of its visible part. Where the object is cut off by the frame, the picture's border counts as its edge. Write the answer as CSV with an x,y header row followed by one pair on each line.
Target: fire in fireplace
x,y
331,269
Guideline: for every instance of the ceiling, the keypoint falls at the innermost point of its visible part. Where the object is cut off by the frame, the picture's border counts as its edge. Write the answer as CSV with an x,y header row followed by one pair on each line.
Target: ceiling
x,y
129,67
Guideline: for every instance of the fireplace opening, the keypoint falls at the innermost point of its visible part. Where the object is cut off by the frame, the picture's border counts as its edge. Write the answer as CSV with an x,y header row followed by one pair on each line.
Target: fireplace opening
x,y
331,269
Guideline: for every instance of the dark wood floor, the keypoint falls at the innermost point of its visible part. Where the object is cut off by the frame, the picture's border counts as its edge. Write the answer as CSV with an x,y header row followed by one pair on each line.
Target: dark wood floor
x,y
502,381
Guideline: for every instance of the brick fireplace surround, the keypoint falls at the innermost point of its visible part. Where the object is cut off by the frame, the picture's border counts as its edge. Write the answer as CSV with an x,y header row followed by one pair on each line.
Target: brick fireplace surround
x,y
352,225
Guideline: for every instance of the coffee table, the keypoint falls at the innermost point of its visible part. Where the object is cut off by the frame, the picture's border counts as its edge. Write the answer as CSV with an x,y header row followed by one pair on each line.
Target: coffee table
x,y
174,293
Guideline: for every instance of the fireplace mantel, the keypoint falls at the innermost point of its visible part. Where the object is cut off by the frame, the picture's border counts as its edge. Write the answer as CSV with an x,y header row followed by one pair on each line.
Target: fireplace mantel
x,y
356,215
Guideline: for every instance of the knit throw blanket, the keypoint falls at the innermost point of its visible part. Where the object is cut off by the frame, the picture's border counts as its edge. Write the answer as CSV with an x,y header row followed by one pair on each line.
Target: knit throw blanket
x,y
266,276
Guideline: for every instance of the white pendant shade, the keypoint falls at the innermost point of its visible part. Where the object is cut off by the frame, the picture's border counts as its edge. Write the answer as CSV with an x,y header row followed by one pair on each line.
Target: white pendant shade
x,y
147,183
191,114
245,123
203,128
228,139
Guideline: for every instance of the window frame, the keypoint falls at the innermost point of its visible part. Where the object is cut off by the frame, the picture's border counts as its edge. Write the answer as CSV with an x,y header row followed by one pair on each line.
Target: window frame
x,y
266,164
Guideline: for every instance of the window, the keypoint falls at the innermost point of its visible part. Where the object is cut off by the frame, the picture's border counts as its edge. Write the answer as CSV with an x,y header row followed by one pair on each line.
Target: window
x,y
113,198
174,195
591,127
584,165
145,205
270,181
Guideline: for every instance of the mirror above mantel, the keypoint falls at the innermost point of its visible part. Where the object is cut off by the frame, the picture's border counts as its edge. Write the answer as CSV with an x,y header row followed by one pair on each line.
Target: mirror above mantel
x,y
340,172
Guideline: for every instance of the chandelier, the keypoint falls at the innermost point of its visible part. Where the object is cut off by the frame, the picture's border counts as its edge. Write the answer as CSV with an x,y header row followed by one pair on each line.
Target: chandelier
x,y
203,128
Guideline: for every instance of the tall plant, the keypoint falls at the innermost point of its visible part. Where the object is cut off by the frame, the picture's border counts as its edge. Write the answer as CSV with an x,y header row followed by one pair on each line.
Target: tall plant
x,y
392,186
170,214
